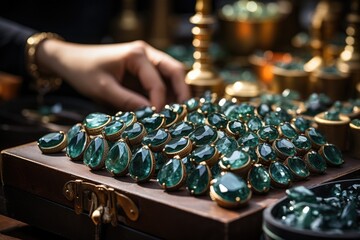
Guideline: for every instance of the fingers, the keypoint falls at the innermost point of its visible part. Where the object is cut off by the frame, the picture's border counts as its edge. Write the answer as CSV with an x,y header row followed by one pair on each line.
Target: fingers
x,y
139,64
172,70
121,98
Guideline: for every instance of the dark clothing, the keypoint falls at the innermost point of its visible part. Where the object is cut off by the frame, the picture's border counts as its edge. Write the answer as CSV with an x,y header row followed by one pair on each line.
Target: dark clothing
x,y
79,21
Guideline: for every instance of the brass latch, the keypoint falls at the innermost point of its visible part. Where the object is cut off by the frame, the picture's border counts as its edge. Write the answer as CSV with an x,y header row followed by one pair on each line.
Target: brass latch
x,y
102,203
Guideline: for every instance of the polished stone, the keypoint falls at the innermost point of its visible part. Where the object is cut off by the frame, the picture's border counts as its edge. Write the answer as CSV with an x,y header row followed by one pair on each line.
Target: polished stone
x,y
171,176
198,181
118,159
95,154
142,165
259,179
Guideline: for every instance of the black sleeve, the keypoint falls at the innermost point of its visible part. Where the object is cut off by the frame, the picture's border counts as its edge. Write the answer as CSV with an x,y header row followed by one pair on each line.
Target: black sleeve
x,y
12,46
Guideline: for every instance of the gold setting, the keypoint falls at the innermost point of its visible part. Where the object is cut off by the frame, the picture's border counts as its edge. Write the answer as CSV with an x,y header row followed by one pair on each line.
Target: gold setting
x,y
57,148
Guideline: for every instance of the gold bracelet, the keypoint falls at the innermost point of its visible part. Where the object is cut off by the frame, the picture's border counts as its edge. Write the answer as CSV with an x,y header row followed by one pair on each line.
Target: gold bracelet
x,y
44,83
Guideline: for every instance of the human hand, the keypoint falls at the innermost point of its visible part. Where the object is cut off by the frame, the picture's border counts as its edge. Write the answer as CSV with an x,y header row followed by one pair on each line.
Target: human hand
x,y
98,71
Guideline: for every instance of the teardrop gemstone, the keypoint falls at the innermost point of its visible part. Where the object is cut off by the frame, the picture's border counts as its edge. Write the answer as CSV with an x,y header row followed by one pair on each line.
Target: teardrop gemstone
x,y
203,135
198,181
95,122
259,179
229,190
142,165
280,175
77,146
172,175
118,159
96,153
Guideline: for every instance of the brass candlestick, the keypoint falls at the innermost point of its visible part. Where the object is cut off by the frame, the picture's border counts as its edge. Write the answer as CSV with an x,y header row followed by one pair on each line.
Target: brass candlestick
x,y
203,77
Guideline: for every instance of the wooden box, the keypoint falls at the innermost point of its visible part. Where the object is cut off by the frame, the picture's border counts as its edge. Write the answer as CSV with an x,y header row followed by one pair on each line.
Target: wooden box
x,y
33,187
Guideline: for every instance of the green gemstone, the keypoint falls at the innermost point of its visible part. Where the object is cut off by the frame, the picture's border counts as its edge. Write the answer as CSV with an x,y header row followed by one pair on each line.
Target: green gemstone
x,y
226,144
133,131
113,127
215,170
196,118
356,122
181,129
172,174
273,119
249,139
192,104
118,159
96,120
203,135
160,160
263,109
284,148
252,153
176,145
142,165
236,127
315,136
254,124
189,166
198,181
280,174
217,120
144,112
203,153
301,124
287,130
157,138
95,153
73,131
51,140
332,155
178,108
77,145
332,115
268,133
259,179
209,107
315,162
266,153
246,111
127,117
231,189
235,160
170,116
154,122
297,167
302,143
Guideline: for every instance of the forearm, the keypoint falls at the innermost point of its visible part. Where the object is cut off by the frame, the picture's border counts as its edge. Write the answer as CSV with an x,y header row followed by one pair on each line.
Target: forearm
x,y
12,46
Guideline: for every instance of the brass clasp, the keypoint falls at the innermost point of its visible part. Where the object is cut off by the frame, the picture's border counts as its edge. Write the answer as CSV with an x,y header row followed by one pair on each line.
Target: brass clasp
x,y
103,202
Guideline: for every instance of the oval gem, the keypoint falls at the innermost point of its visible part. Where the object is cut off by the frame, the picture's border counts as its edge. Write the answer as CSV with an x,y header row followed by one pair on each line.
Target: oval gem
x,y
297,167
259,179
315,162
127,117
118,159
236,128
178,146
181,129
217,120
268,133
250,139
235,161
95,154
332,154
153,122
280,175
287,130
52,142
198,181
284,148
254,124
73,131
203,135
205,153
196,118
172,175
142,165
77,146
94,122
266,153
157,139
226,145
112,131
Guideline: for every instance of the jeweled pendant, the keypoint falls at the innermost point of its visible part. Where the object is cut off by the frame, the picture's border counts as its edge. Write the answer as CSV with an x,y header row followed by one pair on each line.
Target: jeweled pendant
x,y
316,138
280,175
113,130
118,158
315,162
95,122
268,133
217,120
237,161
52,142
134,133
181,129
127,117
156,140
77,145
96,153
259,179
142,165
198,181
206,153
180,146
203,135
284,148
229,190
266,153
332,154
154,122
235,128
297,167
172,175
73,131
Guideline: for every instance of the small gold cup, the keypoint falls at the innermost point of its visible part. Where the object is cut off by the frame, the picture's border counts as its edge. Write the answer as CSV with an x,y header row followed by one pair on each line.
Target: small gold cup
x,y
335,131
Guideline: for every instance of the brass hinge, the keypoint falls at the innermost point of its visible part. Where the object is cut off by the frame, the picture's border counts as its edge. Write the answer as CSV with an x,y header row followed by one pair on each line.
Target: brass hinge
x,y
101,202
